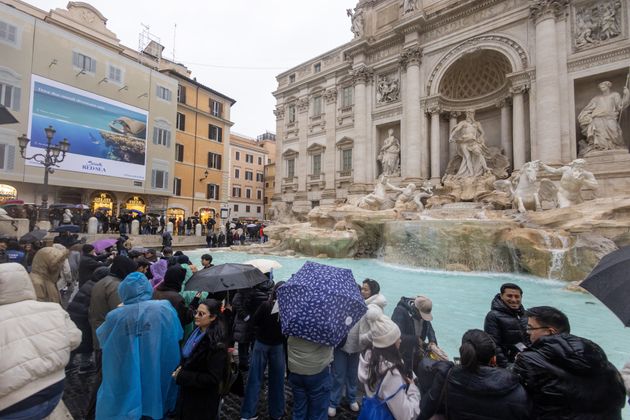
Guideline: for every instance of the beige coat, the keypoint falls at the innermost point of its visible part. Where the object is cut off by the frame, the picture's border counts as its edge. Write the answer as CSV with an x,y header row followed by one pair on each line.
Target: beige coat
x,y
36,338
47,265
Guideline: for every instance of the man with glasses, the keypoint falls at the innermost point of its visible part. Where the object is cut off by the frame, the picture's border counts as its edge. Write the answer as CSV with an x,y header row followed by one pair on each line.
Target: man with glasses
x,y
567,377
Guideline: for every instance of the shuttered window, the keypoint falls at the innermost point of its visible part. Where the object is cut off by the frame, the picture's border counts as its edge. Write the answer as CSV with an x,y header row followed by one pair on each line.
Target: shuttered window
x,y
83,62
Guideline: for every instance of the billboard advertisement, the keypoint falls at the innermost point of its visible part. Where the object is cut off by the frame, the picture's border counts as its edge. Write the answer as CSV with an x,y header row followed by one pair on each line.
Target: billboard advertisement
x,y
106,137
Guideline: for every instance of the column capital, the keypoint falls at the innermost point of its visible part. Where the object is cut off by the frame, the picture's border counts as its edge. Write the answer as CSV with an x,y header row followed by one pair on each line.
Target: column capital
x,y
434,109
279,112
454,114
507,101
330,95
542,9
363,74
519,89
302,104
410,56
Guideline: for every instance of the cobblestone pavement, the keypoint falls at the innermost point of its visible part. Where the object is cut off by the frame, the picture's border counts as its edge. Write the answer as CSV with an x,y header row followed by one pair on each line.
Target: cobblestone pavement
x,y
78,387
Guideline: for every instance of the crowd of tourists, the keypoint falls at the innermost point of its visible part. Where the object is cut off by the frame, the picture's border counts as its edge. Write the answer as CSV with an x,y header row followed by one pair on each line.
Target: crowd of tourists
x,y
162,351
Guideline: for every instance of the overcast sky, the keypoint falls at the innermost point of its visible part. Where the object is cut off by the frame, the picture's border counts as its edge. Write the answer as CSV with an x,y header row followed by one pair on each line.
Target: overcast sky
x,y
234,46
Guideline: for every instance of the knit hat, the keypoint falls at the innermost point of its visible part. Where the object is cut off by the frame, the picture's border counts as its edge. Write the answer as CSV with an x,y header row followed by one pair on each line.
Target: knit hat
x,y
424,306
383,330
87,248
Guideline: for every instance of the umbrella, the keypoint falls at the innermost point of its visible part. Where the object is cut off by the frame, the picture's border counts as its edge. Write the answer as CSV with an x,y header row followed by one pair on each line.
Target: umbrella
x,y
67,228
6,117
320,303
252,225
82,206
103,209
609,282
102,244
264,265
61,206
225,277
12,202
33,236
136,211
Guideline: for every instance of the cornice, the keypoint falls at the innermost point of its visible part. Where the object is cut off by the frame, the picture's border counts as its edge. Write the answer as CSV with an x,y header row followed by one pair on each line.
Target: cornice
x,y
593,60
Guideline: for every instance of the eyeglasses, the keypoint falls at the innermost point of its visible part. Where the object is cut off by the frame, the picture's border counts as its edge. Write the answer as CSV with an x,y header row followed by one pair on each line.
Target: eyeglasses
x,y
528,328
200,314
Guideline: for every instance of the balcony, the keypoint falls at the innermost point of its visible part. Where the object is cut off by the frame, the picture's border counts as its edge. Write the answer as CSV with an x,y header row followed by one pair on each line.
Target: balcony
x,y
343,177
290,184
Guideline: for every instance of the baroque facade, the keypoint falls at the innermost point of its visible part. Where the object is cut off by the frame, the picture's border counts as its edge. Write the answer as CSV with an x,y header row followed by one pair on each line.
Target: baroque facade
x,y
413,69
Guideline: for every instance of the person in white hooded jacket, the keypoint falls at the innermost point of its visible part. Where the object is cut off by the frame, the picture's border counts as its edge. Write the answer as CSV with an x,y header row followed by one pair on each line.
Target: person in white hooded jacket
x,y
35,344
381,369
371,292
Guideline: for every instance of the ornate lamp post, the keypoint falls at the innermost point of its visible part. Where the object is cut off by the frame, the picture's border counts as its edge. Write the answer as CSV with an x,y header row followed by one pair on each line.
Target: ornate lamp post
x,y
53,155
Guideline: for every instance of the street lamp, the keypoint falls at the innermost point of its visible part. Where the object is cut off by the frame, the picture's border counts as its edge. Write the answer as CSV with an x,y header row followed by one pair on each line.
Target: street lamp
x,y
53,155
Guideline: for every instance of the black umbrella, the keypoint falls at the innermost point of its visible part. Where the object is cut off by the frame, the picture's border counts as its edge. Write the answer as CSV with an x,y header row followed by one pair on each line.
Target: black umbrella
x,y
33,236
225,277
6,117
68,228
609,282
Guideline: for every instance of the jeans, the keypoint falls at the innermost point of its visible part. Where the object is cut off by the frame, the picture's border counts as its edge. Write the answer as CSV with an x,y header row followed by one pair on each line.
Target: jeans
x,y
38,411
311,395
262,355
345,368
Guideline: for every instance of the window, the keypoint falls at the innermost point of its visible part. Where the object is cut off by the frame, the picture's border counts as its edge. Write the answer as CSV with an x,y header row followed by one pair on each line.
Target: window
x,y
237,173
291,114
238,155
314,203
215,133
346,96
292,78
8,33
7,157
159,179
163,93
260,177
265,200
177,186
115,74
235,207
346,160
180,121
214,161
258,195
10,96
212,192
249,176
259,160
317,164
248,193
162,136
247,209
179,152
257,209
249,158
317,106
290,168
236,192
266,185
216,108
83,62
317,67
181,94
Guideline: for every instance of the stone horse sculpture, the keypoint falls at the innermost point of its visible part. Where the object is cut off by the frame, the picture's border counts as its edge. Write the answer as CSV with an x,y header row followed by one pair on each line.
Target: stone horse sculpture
x,y
524,189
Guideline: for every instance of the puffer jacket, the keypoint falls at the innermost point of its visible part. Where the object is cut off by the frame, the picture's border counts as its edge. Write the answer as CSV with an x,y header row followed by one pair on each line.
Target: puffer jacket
x,y
570,377
36,341
507,327
365,337
405,314
47,266
245,304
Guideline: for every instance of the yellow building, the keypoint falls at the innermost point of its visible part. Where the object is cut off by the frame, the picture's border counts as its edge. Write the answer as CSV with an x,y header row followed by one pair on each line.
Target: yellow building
x,y
268,142
200,185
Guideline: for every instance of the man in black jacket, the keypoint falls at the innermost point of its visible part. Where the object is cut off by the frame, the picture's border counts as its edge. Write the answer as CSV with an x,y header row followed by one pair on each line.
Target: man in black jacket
x,y
89,262
567,377
506,323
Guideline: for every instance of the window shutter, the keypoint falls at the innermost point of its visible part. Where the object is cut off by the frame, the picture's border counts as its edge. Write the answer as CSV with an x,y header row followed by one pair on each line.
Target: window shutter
x,y
168,138
209,159
219,134
168,94
165,184
153,176
76,60
155,135
92,66
17,97
10,152
219,162
216,192
221,109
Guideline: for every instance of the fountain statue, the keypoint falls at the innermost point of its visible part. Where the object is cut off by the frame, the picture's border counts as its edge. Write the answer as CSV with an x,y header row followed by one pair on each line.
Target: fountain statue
x,y
469,138
377,199
389,155
574,178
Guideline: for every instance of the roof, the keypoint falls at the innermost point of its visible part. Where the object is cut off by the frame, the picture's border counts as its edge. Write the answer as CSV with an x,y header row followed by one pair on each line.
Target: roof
x,y
202,86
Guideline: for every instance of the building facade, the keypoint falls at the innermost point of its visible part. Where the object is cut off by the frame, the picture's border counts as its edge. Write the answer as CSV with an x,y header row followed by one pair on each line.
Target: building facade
x,y
247,178
200,183
414,67
268,142
65,68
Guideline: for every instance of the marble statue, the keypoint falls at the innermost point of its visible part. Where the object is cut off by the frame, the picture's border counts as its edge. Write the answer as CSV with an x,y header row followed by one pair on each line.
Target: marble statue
x,y
574,178
389,155
599,120
524,190
404,200
387,89
409,6
377,199
469,137
356,20
426,191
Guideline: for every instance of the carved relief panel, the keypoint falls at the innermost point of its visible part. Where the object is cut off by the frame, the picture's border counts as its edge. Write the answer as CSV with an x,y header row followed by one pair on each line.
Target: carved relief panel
x,y
387,88
596,23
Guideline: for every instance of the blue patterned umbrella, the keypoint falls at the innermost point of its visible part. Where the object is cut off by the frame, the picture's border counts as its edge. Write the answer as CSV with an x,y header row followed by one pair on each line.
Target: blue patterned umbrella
x,y
320,303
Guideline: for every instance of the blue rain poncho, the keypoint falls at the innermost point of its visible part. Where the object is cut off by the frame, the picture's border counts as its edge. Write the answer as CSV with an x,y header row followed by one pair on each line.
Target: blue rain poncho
x,y
140,343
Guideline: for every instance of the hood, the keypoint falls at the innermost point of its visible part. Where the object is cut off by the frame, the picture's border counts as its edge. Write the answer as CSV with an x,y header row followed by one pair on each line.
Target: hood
x,y
15,284
378,300
498,305
174,278
408,305
122,266
488,381
48,262
572,353
135,288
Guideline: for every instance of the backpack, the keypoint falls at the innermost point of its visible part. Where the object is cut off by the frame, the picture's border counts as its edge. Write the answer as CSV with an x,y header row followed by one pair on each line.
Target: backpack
x,y
373,408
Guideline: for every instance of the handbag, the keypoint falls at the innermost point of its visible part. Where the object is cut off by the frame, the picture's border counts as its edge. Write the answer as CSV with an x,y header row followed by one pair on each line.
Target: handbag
x,y
373,408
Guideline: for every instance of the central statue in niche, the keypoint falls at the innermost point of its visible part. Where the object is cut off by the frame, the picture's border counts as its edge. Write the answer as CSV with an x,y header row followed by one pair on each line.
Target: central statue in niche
x,y
389,155
471,147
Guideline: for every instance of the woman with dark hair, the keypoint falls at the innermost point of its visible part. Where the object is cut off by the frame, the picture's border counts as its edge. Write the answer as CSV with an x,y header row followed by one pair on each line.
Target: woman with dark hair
x,y
381,369
204,366
268,350
476,389
169,290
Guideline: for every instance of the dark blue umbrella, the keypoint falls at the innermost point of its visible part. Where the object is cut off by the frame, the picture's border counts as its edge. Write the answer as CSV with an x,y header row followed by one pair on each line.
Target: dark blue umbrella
x,y
320,303
67,228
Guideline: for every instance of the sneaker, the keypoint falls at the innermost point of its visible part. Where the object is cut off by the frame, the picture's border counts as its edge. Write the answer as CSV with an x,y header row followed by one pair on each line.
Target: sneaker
x,y
354,406
332,411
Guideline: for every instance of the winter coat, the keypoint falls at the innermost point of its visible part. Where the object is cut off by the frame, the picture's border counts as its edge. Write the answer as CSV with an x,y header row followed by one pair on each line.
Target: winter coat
x,y
47,266
87,264
405,404
36,341
404,315
245,304
570,377
200,376
625,374
431,375
507,327
365,336
184,313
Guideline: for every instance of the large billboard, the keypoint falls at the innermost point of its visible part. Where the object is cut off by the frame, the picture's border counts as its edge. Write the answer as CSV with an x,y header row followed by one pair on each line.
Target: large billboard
x,y
106,137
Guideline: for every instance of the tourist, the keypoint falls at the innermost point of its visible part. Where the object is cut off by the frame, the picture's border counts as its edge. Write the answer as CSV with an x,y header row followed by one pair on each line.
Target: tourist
x,y
169,290
36,342
507,323
221,239
382,370
167,240
204,366
371,292
89,262
66,218
47,266
206,261
567,376
135,385
151,255
477,388
14,252
413,317
625,374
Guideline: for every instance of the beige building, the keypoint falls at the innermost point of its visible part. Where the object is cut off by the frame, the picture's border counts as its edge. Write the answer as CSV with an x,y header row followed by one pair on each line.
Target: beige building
x,y
268,142
248,158
65,68
527,69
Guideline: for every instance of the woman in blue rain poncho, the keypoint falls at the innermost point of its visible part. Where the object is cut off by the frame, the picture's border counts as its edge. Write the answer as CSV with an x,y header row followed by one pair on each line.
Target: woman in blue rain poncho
x,y
140,343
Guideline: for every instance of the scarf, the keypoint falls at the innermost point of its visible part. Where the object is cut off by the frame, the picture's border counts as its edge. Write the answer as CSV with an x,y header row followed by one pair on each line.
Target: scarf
x,y
192,342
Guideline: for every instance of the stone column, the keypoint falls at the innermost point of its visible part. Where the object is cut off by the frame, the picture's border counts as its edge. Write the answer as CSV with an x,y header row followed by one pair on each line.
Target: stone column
x,y
548,141
280,123
302,164
435,143
424,146
329,157
360,153
452,122
506,129
518,126
410,142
